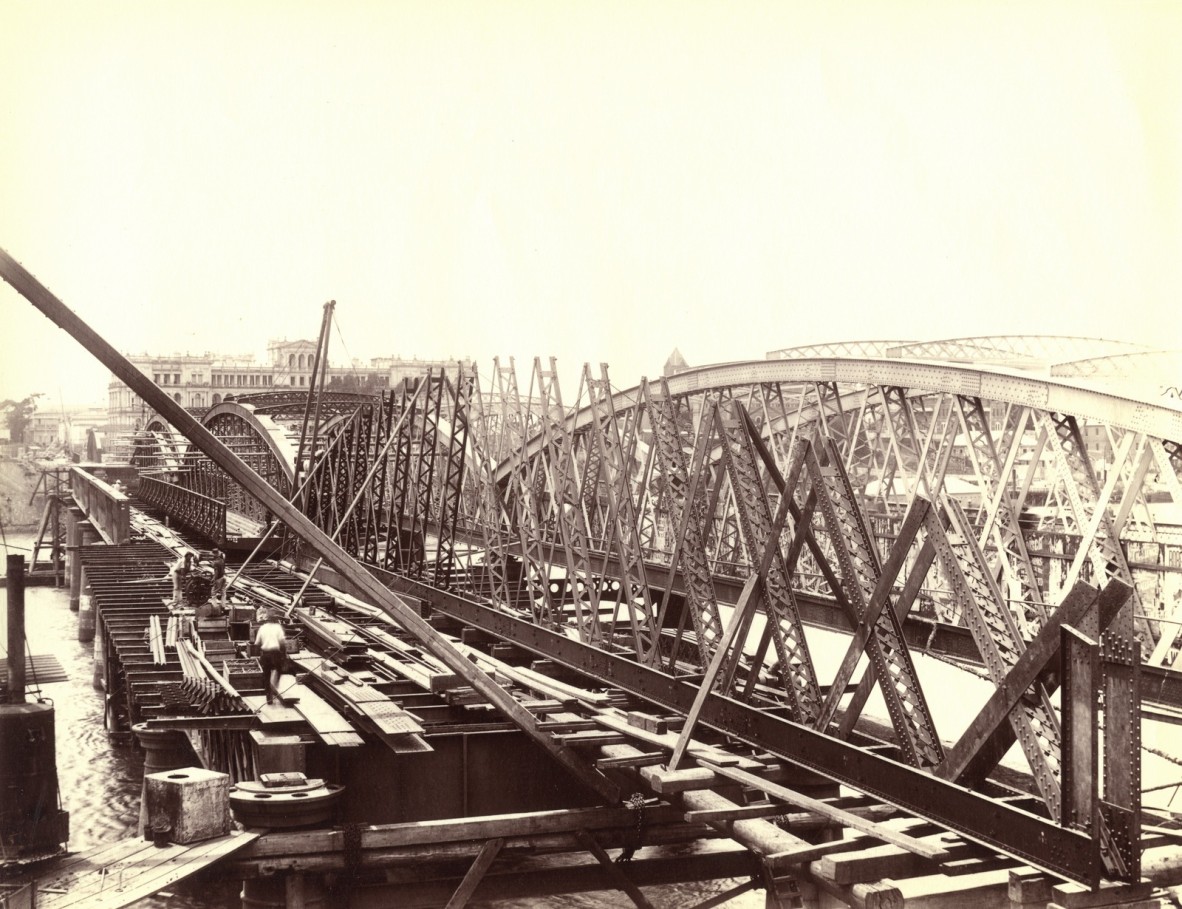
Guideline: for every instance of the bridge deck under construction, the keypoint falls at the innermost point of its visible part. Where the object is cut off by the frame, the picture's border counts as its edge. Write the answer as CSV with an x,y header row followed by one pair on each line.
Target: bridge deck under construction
x,y
618,585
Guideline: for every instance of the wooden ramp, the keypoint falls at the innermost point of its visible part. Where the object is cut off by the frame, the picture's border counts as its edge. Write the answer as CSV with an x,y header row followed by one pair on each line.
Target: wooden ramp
x,y
118,874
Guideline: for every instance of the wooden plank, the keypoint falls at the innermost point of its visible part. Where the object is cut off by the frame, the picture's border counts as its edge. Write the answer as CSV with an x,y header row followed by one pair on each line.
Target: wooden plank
x,y
987,890
40,669
413,663
738,813
229,723
639,760
591,739
838,815
794,820
330,726
388,717
533,680
459,830
271,715
667,782
109,878
807,852
696,750
424,678
866,862
1076,896
488,854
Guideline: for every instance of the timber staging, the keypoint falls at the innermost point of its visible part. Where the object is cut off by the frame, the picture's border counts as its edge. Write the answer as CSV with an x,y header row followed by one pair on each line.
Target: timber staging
x,y
522,636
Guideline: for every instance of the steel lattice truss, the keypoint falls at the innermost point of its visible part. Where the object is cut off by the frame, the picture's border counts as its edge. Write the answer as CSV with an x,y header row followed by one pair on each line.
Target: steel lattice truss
x,y
674,536
616,531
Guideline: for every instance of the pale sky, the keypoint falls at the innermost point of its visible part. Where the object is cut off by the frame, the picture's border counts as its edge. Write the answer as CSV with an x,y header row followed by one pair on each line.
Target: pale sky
x,y
594,181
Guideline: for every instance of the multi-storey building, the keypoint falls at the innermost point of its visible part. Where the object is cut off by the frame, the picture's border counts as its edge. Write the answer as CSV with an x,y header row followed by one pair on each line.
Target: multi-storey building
x,y
199,382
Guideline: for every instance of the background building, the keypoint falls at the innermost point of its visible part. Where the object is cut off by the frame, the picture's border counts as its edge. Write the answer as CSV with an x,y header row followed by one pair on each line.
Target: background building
x,y
199,382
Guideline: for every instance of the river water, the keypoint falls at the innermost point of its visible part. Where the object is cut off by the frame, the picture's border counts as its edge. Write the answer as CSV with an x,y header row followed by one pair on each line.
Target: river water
x,y
100,775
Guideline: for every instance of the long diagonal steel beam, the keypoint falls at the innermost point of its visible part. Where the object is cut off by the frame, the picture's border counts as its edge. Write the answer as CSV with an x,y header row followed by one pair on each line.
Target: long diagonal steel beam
x,y
336,557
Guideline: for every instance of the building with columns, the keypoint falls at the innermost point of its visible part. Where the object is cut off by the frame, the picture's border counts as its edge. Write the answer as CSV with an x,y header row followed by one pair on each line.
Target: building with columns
x,y
198,382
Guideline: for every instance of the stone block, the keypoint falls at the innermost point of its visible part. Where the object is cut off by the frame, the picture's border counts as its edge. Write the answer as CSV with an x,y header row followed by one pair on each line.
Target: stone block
x,y
191,802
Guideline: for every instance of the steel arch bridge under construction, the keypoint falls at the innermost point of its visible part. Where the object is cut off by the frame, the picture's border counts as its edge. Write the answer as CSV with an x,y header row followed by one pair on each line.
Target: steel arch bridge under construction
x,y
674,539
677,536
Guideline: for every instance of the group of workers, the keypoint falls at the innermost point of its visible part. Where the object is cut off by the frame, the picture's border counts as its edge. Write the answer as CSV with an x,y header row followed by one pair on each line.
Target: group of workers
x,y
190,562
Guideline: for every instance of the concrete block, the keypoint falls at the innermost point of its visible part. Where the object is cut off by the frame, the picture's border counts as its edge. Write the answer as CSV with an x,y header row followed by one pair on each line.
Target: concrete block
x,y
192,802
278,753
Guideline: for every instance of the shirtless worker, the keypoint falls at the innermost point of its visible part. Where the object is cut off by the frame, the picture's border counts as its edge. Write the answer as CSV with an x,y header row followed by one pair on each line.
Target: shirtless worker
x,y
272,654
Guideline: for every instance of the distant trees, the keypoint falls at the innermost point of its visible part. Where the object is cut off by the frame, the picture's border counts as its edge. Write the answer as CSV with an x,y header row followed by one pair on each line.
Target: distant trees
x,y
18,415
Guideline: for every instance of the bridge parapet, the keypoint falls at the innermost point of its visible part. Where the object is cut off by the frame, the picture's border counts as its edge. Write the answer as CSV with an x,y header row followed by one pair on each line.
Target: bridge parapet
x,y
105,506
199,513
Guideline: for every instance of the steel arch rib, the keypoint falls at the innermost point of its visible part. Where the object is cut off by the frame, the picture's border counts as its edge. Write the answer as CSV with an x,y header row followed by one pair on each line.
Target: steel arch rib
x,y
993,384
274,436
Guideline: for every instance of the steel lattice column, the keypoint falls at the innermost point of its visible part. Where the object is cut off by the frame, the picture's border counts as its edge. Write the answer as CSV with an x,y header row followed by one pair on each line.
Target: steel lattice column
x,y
687,512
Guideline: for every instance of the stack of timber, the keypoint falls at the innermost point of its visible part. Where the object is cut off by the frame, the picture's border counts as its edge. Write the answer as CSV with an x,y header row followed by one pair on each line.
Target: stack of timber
x,y
393,725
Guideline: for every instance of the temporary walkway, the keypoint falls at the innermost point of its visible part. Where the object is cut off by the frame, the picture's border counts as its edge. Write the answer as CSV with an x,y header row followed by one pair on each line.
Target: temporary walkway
x,y
118,874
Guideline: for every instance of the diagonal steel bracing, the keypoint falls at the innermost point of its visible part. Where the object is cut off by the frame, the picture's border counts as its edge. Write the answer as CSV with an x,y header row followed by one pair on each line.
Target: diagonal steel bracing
x,y
992,625
634,595
561,467
686,500
886,645
755,519
454,451
489,512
